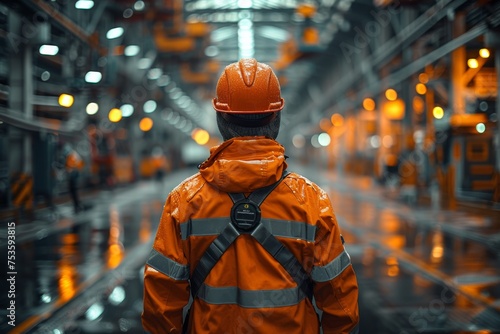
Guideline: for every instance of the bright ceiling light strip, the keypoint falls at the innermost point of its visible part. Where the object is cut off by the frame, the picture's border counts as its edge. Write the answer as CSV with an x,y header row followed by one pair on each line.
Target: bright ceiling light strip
x,y
84,4
131,50
246,43
114,33
49,50
245,4
274,33
93,77
223,33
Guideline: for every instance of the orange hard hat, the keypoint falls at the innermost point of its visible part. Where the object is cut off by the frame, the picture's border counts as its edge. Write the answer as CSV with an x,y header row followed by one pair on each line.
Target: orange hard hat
x,y
248,87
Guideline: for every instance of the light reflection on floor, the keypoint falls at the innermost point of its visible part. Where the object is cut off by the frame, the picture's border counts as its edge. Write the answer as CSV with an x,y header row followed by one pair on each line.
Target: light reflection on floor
x,y
419,270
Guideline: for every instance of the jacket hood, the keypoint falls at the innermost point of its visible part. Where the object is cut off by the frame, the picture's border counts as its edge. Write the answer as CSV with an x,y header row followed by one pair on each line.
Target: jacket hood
x,y
244,164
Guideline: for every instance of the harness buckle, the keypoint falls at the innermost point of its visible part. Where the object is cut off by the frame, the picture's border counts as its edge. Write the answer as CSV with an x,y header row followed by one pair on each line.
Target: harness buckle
x,y
245,215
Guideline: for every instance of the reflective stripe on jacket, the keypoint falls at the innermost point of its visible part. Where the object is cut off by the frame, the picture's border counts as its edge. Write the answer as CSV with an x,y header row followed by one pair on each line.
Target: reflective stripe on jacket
x,y
248,291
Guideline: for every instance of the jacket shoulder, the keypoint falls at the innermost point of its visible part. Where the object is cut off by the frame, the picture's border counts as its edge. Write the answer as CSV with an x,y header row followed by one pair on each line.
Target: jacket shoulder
x,y
302,187
188,188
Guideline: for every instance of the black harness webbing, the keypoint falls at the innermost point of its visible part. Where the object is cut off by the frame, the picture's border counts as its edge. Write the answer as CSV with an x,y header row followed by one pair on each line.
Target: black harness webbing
x,y
248,222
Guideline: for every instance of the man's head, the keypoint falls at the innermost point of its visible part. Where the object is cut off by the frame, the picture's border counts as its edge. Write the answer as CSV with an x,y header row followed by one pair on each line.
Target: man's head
x,y
248,101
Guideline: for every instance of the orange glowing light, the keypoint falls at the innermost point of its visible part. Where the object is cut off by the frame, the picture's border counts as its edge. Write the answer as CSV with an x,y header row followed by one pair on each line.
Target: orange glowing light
x,y
115,115
67,286
200,136
66,100
146,124
115,255
391,94
484,53
394,110
337,120
369,104
421,89
473,63
438,112
418,105
423,78
393,271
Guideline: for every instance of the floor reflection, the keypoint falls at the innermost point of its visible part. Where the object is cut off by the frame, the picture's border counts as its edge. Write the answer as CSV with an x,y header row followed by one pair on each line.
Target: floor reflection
x,y
420,270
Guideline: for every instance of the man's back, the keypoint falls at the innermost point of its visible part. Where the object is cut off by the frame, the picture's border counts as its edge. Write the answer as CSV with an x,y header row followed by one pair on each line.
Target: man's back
x,y
251,258
248,290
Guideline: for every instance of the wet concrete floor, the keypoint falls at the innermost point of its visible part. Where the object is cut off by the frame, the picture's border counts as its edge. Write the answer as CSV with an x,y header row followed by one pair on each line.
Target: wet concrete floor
x,y
420,269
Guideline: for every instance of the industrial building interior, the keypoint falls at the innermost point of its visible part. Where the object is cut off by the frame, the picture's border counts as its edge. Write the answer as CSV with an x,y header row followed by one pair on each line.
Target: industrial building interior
x,y
390,106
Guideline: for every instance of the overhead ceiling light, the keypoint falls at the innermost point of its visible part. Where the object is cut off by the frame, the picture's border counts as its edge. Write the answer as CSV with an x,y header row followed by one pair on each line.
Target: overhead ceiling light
x,y
246,42
154,73
127,13
139,5
84,4
223,33
144,63
66,100
480,127
93,77
49,50
211,51
127,110
245,4
274,33
114,33
94,311
92,108
45,76
245,24
324,139
184,101
131,50
117,296
149,106
163,80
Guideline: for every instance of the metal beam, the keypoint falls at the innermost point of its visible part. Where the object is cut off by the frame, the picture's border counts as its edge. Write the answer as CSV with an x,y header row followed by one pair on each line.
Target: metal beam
x,y
62,21
388,50
96,16
384,54
37,123
419,64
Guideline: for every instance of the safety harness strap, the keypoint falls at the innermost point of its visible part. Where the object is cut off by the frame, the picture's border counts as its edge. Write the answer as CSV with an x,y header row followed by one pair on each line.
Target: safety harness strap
x,y
286,258
261,234
259,195
213,253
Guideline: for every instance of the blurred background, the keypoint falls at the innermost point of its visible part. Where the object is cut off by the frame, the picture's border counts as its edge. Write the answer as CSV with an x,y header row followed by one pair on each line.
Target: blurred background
x,y
391,107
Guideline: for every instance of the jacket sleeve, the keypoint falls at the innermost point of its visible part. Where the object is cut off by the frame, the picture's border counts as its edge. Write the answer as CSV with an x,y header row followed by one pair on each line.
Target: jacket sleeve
x,y
166,287
335,284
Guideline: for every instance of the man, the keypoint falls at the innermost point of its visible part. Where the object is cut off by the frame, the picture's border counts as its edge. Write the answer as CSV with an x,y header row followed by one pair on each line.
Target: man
x,y
254,244
74,164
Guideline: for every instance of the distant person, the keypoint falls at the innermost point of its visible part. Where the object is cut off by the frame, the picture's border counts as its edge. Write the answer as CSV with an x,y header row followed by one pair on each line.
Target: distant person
x,y
251,242
74,164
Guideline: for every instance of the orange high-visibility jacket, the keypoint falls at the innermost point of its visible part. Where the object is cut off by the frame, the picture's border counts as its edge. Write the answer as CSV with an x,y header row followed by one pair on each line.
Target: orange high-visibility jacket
x,y
74,161
248,291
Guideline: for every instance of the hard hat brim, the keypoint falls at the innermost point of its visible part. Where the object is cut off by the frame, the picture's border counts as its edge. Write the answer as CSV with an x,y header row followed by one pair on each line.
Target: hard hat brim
x,y
224,108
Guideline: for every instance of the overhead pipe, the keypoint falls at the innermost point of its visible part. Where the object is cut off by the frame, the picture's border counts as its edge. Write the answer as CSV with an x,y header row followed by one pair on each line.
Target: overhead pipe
x,y
385,53
64,22
38,124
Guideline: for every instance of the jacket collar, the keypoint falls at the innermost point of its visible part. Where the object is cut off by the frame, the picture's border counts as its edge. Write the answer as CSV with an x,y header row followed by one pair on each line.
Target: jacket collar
x,y
244,164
